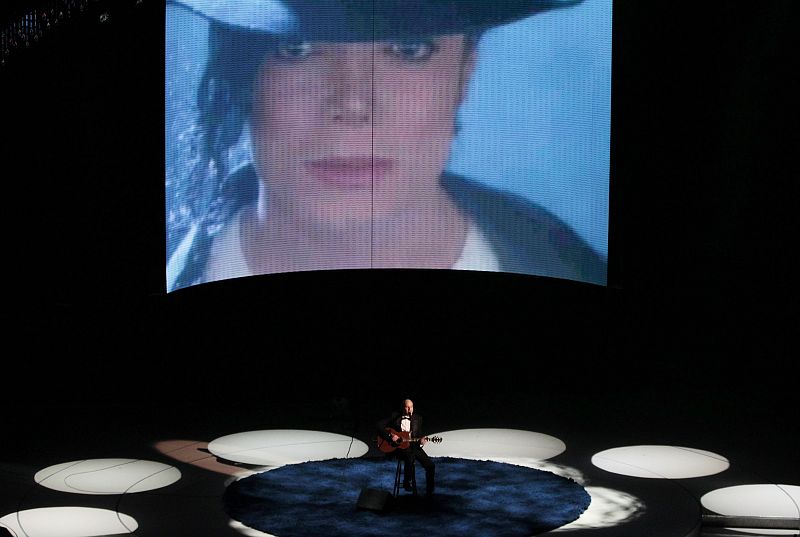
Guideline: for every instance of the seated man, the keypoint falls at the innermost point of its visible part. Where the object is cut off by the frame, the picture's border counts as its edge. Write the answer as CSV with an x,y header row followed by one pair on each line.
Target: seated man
x,y
410,422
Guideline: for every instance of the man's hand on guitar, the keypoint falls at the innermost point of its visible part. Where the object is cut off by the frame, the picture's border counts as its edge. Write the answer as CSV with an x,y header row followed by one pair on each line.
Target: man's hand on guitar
x,y
423,441
395,438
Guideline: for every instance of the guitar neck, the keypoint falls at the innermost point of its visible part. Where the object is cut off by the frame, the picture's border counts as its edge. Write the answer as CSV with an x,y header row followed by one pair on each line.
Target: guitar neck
x,y
403,439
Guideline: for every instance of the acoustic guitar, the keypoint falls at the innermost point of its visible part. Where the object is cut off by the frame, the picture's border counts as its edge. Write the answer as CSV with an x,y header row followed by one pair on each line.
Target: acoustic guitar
x,y
404,442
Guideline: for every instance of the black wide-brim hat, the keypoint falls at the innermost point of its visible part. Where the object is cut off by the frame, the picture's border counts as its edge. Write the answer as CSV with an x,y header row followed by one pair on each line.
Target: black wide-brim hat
x,y
368,20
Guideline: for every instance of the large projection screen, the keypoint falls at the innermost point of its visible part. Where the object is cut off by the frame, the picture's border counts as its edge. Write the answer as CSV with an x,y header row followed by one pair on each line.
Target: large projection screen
x,y
309,135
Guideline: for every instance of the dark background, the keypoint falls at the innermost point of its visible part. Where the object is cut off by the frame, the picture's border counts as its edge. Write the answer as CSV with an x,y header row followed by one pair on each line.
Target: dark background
x,y
697,329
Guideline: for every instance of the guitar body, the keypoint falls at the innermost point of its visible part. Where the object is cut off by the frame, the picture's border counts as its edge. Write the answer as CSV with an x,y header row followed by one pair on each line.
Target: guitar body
x,y
404,442
387,446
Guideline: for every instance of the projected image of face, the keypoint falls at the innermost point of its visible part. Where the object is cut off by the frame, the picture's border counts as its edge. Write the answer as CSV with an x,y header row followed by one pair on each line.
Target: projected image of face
x,y
325,138
349,141
345,133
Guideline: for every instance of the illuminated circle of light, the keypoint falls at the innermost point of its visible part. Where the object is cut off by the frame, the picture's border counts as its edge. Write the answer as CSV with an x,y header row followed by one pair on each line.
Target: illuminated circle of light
x,y
276,447
608,508
195,452
760,500
68,522
660,462
502,445
107,476
245,530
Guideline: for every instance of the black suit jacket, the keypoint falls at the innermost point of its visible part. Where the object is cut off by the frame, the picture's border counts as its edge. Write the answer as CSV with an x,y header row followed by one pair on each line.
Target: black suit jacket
x,y
393,421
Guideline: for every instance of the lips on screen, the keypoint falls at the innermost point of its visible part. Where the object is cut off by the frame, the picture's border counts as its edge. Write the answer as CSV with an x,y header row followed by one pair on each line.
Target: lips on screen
x,y
484,152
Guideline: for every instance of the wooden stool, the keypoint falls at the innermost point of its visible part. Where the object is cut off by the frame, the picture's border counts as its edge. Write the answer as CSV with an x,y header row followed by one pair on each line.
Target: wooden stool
x,y
399,473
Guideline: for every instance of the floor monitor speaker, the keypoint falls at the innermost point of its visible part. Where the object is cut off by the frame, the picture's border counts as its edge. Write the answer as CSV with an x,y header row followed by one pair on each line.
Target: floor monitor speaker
x,y
374,500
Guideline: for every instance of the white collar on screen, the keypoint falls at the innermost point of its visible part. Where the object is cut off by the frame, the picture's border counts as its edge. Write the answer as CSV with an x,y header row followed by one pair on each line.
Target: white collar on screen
x,y
478,253
227,259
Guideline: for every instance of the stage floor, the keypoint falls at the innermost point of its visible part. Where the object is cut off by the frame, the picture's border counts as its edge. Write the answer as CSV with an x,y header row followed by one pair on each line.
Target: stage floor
x,y
161,469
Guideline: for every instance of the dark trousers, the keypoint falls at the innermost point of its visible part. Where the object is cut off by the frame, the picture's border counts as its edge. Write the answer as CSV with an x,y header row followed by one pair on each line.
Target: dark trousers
x,y
415,452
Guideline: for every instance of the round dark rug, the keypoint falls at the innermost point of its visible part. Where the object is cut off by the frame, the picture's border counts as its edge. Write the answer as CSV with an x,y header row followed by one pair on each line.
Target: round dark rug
x,y
472,498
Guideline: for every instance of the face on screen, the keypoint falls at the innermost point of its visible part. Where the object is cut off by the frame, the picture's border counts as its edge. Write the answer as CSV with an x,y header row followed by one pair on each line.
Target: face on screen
x,y
355,132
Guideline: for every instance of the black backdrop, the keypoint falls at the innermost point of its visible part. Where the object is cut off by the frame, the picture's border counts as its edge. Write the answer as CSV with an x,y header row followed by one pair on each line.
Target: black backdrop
x,y
699,309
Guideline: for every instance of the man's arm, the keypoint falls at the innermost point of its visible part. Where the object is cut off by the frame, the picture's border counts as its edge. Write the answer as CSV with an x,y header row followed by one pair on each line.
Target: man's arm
x,y
418,433
383,424
416,426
